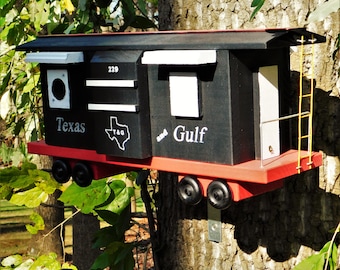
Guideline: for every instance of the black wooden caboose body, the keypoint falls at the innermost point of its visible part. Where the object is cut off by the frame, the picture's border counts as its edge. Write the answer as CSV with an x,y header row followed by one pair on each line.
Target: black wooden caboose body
x,y
187,102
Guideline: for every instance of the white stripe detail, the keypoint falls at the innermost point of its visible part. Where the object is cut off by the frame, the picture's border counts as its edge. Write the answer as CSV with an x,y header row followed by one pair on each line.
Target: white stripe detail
x,y
269,109
110,83
55,57
179,57
112,107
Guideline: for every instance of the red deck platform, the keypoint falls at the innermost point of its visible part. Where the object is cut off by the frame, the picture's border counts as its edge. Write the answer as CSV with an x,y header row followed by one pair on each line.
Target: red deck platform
x,y
245,180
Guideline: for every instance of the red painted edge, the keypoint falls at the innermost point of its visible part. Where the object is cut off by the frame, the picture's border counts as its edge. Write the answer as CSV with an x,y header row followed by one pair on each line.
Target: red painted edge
x,y
282,29
273,169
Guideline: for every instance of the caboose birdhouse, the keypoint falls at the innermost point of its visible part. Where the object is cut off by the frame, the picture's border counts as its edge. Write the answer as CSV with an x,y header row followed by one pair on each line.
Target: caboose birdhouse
x,y
206,105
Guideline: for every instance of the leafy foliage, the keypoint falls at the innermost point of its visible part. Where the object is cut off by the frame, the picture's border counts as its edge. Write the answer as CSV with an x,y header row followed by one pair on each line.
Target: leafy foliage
x,y
45,261
329,253
110,201
257,4
86,198
20,87
12,155
22,21
38,221
26,185
20,80
117,255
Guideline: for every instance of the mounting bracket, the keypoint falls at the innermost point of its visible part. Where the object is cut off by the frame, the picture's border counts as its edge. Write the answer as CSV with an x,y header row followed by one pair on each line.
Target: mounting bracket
x,y
214,224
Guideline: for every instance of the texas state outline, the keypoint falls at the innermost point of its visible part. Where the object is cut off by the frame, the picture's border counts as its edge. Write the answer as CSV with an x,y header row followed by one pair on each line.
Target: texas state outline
x,y
109,131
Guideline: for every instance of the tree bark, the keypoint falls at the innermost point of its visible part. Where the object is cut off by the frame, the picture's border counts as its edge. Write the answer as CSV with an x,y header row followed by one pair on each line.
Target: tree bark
x,y
52,211
278,229
83,229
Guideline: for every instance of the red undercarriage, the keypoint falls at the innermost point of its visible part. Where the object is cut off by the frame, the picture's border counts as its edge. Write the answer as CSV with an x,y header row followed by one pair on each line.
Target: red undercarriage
x,y
245,180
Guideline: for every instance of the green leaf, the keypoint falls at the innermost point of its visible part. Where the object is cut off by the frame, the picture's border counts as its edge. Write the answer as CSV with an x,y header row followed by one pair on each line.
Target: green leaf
x,y
117,186
124,252
128,7
122,199
117,256
255,3
6,153
21,182
68,266
17,157
120,222
39,11
2,23
19,125
12,261
102,261
27,177
69,28
3,3
15,34
5,192
258,4
84,17
26,264
34,135
334,257
82,5
7,7
105,236
323,10
110,217
7,174
38,221
48,261
44,181
142,22
325,248
132,175
142,6
123,223
26,166
30,85
317,261
103,3
86,198
314,262
5,82
31,198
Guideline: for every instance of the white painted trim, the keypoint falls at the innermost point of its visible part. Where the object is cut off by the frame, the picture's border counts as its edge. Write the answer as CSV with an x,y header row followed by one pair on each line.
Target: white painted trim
x,y
55,57
184,97
62,75
111,83
113,107
179,57
269,110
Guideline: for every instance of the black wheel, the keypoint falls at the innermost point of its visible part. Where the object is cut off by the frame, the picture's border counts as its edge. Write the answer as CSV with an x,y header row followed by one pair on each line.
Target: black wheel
x,y
219,194
189,190
61,171
82,174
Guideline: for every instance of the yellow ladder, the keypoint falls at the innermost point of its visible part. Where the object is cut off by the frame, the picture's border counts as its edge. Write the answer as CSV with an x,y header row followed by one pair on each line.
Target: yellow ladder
x,y
303,115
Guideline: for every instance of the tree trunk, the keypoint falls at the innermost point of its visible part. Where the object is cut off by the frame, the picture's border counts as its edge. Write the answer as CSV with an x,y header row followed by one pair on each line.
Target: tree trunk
x,y
52,211
83,229
278,229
